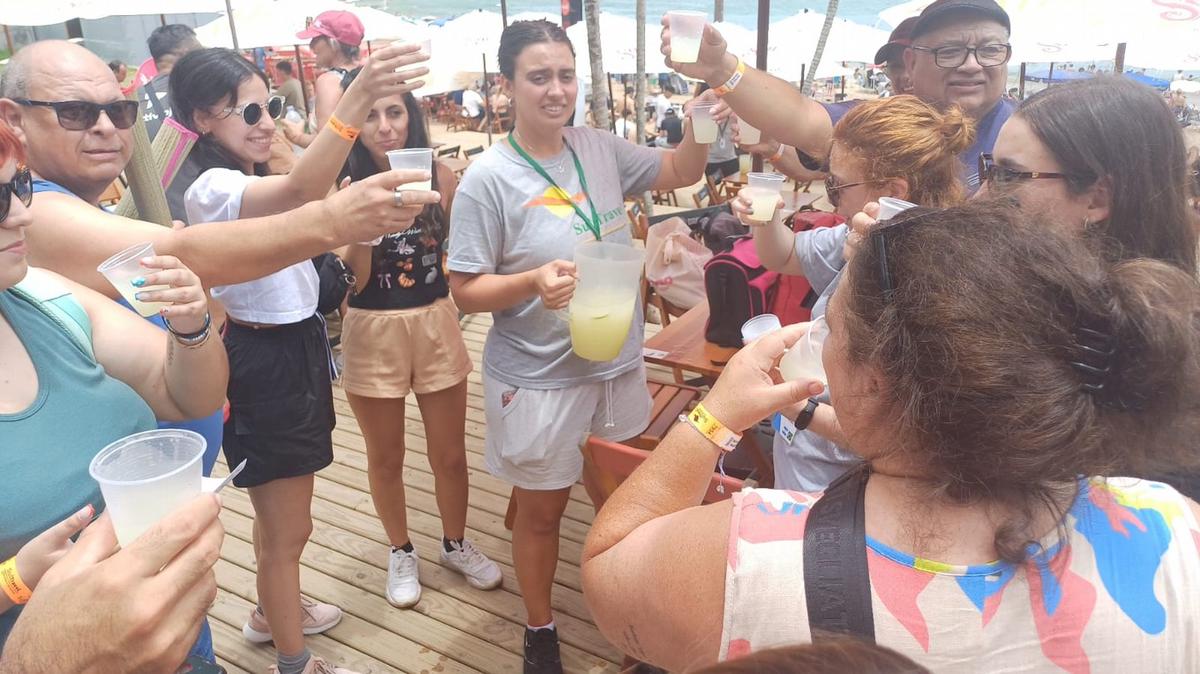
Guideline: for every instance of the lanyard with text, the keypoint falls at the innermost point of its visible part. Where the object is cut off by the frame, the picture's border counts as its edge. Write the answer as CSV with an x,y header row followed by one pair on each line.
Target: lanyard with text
x,y
593,223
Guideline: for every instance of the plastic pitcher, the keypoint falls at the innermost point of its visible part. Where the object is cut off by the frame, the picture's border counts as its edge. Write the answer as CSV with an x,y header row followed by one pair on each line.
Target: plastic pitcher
x,y
606,297
147,475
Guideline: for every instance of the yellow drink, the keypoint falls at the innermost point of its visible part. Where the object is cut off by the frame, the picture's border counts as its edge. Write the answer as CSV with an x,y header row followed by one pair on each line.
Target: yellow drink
x,y
599,328
762,203
426,186
144,308
685,49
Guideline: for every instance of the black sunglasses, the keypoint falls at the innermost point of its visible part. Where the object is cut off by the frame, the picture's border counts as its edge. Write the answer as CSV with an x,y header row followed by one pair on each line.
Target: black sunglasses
x,y
996,175
881,235
83,115
21,185
251,113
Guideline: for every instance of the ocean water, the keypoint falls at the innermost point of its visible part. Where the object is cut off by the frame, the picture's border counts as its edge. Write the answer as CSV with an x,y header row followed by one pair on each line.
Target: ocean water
x,y
743,12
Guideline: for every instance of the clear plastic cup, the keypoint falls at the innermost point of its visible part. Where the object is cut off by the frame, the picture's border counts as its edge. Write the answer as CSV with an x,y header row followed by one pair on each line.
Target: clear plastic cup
x,y
602,309
764,195
748,134
121,269
803,362
146,476
890,207
417,158
762,324
687,30
704,127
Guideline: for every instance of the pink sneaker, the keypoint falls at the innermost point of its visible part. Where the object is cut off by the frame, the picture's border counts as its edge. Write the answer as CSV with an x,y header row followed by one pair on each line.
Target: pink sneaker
x,y
317,618
316,666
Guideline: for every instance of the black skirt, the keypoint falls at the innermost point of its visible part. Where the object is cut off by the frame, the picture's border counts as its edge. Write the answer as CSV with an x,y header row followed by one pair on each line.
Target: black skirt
x,y
281,414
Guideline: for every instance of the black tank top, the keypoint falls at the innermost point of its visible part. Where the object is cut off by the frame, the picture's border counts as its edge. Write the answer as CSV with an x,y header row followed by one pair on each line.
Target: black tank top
x,y
406,270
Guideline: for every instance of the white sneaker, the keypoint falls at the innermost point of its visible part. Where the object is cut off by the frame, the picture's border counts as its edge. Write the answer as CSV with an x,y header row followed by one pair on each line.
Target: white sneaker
x,y
481,572
403,582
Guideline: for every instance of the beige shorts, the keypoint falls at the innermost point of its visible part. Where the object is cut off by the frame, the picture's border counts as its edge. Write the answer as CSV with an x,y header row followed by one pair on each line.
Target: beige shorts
x,y
535,437
389,353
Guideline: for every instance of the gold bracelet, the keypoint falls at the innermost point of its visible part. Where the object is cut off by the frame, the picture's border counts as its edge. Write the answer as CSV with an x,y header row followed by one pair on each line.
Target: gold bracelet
x,y
342,129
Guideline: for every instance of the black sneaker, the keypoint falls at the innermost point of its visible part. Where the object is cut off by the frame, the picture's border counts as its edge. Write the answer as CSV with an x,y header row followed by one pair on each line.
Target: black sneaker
x,y
541,652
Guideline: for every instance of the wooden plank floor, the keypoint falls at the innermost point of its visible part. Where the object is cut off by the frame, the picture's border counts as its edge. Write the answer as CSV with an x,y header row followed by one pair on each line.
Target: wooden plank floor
x,y
454,628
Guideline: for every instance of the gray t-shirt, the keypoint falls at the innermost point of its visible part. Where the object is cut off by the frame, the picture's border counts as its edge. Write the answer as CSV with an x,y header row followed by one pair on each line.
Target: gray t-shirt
x,y
507,219
810,462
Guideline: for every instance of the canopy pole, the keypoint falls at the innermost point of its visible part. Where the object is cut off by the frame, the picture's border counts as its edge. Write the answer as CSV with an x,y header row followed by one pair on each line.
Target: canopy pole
x,y
1050,76
487,100
162,19
1119,66
504,12
1021,93
303,96
612,112
232,28
764,30
8,40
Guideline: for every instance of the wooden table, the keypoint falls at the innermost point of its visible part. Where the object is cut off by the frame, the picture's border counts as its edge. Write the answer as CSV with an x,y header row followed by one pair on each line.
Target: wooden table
x,y
684,345
456,164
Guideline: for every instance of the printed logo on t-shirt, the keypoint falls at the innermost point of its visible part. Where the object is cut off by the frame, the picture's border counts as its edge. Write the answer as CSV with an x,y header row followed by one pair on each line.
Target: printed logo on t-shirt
x,y
557,201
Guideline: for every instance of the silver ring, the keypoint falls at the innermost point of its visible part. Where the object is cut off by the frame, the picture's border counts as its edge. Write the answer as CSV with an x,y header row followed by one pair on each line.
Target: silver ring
x,y
398,196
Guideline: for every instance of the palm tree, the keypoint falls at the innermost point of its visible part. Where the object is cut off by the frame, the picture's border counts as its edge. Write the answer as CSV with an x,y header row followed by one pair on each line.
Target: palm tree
x,y
718,10
591,13
830,13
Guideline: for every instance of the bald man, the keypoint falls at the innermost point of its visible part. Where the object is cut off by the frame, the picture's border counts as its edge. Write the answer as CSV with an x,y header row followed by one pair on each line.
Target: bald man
x,y
76,152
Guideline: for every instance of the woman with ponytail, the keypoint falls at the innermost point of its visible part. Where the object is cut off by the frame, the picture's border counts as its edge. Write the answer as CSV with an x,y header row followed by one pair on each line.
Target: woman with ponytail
x,y
899,147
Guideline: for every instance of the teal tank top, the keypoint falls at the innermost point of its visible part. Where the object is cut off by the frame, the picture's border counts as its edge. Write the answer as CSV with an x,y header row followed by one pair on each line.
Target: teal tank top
x,y
45,450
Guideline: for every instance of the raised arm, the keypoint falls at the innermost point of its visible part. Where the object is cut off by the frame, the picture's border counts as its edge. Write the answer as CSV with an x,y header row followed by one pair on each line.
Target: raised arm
x,y
765,101
684,165
72,238
317,168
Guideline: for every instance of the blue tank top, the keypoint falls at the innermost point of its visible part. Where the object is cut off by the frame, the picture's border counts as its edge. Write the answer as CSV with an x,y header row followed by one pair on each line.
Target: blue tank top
x,y
212,426
45,450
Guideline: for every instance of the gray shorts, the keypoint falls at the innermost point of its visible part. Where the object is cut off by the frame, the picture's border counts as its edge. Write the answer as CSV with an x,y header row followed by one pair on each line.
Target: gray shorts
x,y
534,436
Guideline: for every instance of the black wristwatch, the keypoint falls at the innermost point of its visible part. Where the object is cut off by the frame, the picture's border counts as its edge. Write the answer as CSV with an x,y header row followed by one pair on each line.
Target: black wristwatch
x,y
806,415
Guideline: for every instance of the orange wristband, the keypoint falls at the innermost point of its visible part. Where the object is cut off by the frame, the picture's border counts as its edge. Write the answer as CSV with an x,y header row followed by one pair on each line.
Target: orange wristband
x,y
12,584
342,129
738,73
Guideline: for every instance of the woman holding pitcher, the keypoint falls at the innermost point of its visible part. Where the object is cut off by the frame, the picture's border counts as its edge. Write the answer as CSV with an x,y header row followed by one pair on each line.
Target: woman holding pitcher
x,y
519,214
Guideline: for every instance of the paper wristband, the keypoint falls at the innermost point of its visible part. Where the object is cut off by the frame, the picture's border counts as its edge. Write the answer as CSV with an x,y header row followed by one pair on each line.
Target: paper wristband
x,y
733,80
342,129
11,581
714,430
778,154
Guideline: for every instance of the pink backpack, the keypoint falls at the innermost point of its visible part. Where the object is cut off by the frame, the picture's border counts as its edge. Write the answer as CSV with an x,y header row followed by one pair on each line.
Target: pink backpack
x,y
738,288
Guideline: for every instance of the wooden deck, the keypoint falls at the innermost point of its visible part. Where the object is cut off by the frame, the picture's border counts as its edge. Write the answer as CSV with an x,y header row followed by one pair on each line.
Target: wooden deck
x,y
455,628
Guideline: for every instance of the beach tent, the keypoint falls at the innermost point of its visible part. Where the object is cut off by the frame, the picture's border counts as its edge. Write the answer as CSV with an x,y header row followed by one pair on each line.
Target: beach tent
x,y
274,23
618,40
794,39
1152,82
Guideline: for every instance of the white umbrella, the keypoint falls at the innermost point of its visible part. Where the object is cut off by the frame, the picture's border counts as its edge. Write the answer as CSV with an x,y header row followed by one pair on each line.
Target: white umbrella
x,y
794,39
1186,86
618,40
274,23
49,12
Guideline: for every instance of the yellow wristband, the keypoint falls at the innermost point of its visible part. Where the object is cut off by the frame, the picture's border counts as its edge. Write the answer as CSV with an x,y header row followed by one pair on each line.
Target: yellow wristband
x,y
734,79
714,430
12,584
342,129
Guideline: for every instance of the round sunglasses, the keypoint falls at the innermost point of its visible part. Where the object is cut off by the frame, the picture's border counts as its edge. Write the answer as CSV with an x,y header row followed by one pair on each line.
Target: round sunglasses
x,y
83,115
251,113
21,185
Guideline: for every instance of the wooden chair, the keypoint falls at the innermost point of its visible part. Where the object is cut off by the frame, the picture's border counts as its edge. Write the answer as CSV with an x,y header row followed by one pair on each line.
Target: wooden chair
x,y
451,151
113,193
612,463
717,194
638,222
664,197
457,121
472,152
702,195
498,120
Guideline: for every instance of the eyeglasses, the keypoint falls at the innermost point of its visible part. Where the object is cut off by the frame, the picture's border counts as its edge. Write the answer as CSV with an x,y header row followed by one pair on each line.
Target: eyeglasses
x,y
21,185
987,56
251,113
996,175
83,115
833,190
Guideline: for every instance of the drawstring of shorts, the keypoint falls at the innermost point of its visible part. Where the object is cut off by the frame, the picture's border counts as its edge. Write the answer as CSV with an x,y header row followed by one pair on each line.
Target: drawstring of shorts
x,y
608,404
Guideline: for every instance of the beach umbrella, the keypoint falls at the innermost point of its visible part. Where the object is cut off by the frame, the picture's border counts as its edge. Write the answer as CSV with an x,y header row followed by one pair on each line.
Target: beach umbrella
x,y
794,39
619,47
1050,76
1152,82
50,12
274,23
1186,86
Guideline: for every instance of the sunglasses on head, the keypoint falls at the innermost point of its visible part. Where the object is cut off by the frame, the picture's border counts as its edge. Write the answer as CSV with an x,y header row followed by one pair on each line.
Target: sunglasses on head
x,y
251,113
21,185
83,115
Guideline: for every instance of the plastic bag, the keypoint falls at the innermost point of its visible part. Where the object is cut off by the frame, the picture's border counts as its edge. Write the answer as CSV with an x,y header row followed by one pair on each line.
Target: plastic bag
x,y
675,263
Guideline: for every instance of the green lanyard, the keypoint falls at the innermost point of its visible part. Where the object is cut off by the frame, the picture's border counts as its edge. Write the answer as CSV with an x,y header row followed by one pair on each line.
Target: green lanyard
x,y
593,223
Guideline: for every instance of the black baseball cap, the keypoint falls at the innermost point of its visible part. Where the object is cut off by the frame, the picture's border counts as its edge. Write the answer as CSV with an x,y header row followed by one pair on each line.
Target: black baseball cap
x,y
935,13
900,38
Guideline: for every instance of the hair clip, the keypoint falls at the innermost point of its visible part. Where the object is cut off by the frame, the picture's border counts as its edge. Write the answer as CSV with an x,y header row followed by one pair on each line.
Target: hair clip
x,y
1093,357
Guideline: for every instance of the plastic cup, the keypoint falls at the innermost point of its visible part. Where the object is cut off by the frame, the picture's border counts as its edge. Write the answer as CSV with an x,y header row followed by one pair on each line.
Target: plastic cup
x,y
146,476
764,195
704,127
803,362
418,158
762,324
602,309
121,269
687,30
748,134
890,207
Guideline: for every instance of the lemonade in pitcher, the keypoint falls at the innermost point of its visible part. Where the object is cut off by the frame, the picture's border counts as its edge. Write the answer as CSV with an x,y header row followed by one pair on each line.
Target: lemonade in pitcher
x,y
599,329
